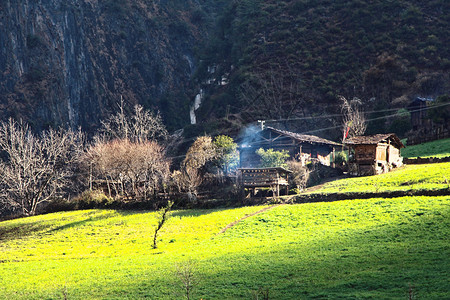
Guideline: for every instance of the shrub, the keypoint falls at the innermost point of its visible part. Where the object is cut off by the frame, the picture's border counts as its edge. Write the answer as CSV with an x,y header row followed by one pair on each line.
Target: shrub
x,y
92,199
272,158
299,176
227,156
341,158
58,204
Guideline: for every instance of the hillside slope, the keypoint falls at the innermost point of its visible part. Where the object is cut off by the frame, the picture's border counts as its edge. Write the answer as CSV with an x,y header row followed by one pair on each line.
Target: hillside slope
x,y
409,178
439,148
376,248
290,59
68,63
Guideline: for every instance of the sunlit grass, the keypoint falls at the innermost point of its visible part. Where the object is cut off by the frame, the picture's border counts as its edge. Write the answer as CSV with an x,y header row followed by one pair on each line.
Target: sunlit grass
x,y
107,233
353,249
439,148
407,178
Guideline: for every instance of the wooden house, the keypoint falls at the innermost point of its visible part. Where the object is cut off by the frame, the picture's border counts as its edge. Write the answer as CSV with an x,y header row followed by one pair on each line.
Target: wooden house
x,y
424,129
254,178
301,147
374,154
419,113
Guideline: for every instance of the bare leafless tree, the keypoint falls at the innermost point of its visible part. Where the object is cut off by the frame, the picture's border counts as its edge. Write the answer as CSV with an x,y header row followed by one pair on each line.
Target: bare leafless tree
x,y
186,274
187,181
140,126
354,121
35,169
202,151
131,169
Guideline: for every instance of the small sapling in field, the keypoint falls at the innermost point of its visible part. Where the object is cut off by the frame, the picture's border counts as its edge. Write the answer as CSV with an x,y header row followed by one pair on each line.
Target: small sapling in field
x,y
186,274
411,292
162,216
261,293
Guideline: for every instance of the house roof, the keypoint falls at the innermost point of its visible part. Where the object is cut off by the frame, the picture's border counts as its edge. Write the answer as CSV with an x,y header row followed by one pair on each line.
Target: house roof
x,y
375,139
419,101
303,137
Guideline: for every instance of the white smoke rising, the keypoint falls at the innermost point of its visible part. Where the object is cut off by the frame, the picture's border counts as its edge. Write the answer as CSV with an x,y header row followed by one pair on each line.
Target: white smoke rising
x,y
247,135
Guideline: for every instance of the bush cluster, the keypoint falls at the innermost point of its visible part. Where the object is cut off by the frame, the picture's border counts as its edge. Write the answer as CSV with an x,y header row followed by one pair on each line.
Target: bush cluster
x,y
92,199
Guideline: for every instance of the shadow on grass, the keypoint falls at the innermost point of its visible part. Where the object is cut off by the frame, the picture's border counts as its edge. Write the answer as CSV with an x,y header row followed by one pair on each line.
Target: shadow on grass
x,y
380,262
30,226
22,230
175,212
83,222
196,212
367,262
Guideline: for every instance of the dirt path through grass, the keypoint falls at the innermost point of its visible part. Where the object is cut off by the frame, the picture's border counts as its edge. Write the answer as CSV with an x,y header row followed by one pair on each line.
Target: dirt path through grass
x,y
248,216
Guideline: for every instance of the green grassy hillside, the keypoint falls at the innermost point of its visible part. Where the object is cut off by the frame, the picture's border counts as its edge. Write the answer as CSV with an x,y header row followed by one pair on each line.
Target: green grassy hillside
x,y
439,148
406,178
359,249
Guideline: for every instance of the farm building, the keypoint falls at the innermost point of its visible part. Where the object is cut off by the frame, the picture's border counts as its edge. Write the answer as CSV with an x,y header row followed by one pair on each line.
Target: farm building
x,y
424,129
374,154
419,110
254,178
301,147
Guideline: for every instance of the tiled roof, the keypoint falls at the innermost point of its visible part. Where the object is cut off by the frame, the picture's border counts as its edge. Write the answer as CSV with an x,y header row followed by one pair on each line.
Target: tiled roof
x,y
304,137
374,139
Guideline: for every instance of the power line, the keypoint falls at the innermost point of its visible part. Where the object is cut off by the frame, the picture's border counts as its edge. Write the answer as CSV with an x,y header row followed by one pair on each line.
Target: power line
x,y
338,126
382,117
340,115
322,116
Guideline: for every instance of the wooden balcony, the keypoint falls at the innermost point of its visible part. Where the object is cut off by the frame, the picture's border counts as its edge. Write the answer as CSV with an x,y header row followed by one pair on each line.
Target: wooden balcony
x,y
254,178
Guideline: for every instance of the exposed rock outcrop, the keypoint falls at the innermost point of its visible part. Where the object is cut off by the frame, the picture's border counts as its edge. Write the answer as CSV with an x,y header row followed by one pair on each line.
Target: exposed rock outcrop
x,y
67,62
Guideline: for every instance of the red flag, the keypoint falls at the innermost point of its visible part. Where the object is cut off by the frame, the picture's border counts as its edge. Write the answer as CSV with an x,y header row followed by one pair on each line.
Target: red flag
x,y
346,134
347,131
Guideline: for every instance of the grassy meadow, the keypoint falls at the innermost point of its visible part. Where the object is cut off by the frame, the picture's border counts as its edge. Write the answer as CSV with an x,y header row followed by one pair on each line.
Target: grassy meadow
x,y
355,249
358,249
439,148
406,178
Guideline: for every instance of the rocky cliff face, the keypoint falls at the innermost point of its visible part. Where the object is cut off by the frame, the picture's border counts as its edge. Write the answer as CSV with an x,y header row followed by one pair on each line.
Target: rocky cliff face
x,y
68,62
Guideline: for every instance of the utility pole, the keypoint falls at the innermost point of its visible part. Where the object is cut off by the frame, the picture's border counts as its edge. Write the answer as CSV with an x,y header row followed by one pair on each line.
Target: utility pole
x,y
261,122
